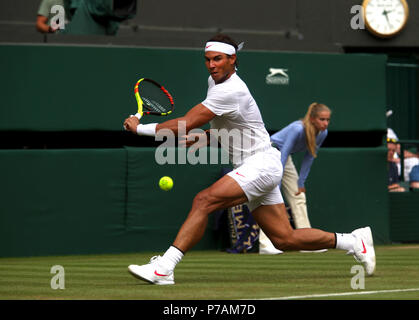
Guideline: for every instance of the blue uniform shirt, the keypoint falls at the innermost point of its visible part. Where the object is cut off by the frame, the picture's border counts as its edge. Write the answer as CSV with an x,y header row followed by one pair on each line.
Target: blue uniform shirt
x,y
292,139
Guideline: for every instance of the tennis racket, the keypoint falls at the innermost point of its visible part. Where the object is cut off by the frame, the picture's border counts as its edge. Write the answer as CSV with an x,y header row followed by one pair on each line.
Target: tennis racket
x,y
152,98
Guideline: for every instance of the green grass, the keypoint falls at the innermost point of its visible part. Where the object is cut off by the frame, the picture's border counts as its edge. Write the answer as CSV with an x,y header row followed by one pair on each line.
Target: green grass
x,y
212,275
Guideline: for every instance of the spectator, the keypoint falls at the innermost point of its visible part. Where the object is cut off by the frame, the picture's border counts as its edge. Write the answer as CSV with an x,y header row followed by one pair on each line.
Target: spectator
x,y
393,174
43,20
410,159
101,17
414,178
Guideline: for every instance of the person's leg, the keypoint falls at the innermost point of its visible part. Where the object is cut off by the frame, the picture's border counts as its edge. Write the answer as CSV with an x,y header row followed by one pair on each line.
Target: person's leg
x,y
224,193
273,219
297,203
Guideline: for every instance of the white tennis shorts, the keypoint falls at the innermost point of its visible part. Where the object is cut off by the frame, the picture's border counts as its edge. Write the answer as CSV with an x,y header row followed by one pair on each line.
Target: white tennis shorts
x,y
259,176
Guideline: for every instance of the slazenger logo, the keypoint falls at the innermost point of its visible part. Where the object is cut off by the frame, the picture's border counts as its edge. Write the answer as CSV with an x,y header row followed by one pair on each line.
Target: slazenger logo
x,y
278,76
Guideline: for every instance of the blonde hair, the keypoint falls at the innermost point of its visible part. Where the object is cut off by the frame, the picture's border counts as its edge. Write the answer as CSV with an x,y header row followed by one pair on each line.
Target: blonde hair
x,y
313,110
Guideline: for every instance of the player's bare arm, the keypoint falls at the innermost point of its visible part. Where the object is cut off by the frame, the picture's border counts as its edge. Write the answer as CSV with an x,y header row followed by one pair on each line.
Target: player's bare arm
x,y
194,118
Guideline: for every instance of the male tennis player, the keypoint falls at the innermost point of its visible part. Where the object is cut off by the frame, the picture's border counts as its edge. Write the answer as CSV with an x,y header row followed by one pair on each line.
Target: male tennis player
x,y
254,180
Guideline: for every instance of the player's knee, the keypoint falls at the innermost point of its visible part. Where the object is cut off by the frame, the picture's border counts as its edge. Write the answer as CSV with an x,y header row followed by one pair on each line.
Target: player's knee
x,y
203,201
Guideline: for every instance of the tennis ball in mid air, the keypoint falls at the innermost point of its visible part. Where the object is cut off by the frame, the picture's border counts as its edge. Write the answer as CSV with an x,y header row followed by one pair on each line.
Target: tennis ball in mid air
x,y
166,183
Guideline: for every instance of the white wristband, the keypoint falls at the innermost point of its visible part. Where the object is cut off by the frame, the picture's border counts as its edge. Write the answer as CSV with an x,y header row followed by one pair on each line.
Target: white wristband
x,y
147,129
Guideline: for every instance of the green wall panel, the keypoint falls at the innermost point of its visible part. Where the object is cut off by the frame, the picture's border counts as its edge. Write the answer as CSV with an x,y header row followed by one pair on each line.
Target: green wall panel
x,y
64,88
351,85
60,201
94,201
108,201
402,97
404,216
347,189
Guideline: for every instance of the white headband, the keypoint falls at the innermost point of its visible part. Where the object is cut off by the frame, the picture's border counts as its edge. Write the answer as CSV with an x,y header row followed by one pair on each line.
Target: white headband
x,y
222,47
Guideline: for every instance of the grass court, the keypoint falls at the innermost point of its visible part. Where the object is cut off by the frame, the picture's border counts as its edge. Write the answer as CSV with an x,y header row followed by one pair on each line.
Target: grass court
x,y
215,275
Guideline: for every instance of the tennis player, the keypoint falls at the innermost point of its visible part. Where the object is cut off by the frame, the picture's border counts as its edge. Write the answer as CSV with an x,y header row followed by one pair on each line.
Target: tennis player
x,y
306,135
257,173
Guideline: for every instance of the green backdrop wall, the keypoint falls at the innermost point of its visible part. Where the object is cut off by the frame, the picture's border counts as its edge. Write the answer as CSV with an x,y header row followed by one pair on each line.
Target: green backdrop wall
x,y
347,189
94,201
105,201
55,88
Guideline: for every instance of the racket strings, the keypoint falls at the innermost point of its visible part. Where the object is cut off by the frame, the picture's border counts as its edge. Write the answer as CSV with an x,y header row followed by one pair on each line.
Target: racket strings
x,y
155,99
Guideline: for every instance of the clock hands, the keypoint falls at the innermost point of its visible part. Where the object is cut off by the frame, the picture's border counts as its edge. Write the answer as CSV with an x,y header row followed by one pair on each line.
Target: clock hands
x,y
385,12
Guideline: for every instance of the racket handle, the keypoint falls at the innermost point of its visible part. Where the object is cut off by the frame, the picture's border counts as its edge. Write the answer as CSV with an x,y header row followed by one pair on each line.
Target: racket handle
x,y
136,115
133,115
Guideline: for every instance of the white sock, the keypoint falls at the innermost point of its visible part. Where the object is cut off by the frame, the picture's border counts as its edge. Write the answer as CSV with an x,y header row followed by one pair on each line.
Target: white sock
x,y
170,259
345,241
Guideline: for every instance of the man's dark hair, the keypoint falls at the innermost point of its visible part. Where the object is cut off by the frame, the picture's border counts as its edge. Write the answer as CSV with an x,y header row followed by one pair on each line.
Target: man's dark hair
x,y
220,37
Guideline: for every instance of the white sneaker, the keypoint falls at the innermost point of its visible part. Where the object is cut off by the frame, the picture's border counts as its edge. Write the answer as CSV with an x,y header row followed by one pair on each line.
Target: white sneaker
x,y
364,249
270,251
149,272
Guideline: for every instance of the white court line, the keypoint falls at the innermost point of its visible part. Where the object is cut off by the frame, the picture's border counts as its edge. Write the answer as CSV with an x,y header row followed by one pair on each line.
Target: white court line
x,y
325,295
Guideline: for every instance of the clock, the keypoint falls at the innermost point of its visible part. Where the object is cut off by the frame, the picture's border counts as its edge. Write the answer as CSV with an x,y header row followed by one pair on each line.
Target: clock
x,y
385,18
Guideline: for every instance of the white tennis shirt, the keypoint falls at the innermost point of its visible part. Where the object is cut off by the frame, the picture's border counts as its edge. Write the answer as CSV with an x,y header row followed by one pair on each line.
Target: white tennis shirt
x,y
238,122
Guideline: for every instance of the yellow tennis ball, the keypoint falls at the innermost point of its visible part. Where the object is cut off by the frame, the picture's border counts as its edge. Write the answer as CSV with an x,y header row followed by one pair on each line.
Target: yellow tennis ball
x,y
166,183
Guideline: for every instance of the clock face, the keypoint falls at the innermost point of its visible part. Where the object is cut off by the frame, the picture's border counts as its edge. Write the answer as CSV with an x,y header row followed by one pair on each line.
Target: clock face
x,y
385,18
